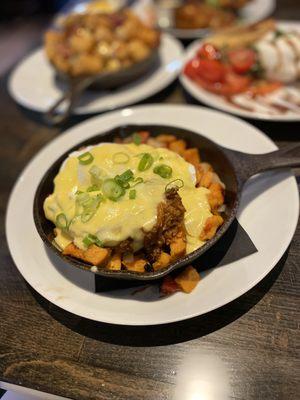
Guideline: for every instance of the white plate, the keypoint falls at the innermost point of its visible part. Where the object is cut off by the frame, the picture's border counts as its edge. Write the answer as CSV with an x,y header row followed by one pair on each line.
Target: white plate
x,y
268,212
32,83
219,102
255,11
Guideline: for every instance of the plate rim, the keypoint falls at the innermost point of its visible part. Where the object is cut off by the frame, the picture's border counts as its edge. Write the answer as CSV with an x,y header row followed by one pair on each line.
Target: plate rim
x,y
221,303
193,34
19,99
199,94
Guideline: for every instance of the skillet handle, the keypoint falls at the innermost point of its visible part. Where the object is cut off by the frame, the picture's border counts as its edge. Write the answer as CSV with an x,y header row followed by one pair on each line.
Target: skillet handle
x,y
53,116
247,165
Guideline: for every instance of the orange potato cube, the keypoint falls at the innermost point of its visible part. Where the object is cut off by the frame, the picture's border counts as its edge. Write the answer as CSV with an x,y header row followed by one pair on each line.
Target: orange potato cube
x,y
216,196
192,156
206,179
165,138
178,246
114,262
137,264
211,226
188,279
74,251
178,146
97,255
162,262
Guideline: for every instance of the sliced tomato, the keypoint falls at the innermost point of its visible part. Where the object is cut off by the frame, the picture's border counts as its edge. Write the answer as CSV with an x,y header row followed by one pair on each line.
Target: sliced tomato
x,y
233,84
208,52
242,60
191,68
209,70
237,83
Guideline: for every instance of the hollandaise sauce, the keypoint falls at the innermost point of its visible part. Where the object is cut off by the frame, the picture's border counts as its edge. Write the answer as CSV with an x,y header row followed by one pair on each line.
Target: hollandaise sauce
x,y
110,192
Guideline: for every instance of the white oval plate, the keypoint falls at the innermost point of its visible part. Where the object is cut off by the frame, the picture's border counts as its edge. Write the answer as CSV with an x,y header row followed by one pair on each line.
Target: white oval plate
x,y
268,212
32,82
219,102
255,11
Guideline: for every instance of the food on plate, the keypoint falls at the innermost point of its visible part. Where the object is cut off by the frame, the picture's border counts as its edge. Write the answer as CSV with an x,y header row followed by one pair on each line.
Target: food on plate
x,y
215,14
137,204
250,66
93,43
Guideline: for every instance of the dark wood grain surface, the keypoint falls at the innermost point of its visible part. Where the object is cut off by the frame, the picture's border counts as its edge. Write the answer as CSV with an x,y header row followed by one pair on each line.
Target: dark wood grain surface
x,y
248,349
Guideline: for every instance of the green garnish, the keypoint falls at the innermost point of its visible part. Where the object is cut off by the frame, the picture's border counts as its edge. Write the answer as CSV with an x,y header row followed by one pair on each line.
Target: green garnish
x,y
178,183
163,170
136,139
85,158
145,162
123,179
95,173
120,158
112,190
61,221
90,206
132,194
137,181
92,239
93,188
278,33
78,192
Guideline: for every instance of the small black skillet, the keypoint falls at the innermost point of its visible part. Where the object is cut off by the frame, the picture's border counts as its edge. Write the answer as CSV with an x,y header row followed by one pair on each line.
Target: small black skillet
x,y
103,81
233,167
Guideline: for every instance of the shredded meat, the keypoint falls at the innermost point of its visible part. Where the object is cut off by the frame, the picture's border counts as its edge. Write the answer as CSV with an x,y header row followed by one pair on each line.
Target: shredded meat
x,y
170,220
125,246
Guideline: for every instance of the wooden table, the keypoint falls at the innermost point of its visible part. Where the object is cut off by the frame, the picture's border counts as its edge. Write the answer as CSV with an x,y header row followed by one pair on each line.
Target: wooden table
x,y
249,349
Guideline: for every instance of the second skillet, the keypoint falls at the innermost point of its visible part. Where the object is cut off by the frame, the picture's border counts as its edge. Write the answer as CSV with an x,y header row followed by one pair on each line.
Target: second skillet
x,y
234,169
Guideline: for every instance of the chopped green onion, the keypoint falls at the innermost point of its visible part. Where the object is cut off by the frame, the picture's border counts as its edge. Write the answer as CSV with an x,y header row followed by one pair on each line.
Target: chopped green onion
x,y
145,162
90,207
120,158
87,215
136,139
112,190
61,221
163,170
137,181
92,239
78,192
176,183
85,158
93,188
95,173
84,200
120,182
132,194
127,175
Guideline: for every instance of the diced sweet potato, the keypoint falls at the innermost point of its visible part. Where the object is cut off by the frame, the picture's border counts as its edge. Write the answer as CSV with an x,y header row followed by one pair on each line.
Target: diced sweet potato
x,y
206,179
178,146
97,255
144,135
74,251
192,156
188,279
94,255
155,143
163,261
178,245
216,196
201,169
137,264
164,138
114,263
211,226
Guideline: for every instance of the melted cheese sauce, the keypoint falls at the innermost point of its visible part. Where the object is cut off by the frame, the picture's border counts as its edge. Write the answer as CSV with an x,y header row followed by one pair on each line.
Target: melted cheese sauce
x,y
115,221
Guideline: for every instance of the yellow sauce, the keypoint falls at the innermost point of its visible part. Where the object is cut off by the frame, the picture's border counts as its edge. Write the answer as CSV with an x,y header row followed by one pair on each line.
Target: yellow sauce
x,y
115,221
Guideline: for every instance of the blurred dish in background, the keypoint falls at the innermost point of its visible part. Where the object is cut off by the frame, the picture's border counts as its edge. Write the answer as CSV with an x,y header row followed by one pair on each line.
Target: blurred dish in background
x,y
193,19
38,91
252,71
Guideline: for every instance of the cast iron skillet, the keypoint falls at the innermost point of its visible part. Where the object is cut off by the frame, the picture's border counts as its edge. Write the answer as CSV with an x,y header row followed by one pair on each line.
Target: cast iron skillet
x,y
102,81
234,168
